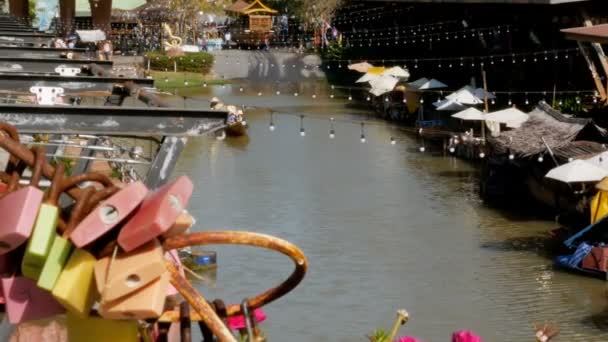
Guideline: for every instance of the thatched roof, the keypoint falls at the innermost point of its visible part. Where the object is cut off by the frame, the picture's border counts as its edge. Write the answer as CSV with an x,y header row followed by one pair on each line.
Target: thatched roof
x,y
558,131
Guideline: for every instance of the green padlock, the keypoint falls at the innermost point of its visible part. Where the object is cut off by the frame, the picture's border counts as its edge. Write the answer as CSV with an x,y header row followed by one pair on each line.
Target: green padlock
x,y
39,244
61,247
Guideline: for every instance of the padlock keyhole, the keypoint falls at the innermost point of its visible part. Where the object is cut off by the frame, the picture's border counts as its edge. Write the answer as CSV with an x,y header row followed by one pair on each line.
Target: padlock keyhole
x,y
109,214
133,280
175,202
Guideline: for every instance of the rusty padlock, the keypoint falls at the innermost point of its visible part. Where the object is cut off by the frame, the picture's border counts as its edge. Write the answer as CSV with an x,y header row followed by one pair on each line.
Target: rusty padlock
x,y
19,208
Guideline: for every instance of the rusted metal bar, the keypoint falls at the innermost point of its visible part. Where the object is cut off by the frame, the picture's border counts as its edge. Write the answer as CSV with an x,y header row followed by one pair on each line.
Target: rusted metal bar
x,y
199,304
147,97
185,325
113,121
21,64
249,239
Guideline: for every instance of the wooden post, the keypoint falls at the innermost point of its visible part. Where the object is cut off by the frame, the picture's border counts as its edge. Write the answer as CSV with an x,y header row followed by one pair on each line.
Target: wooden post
x,y
67,8
596,46
19,8
596,77
101,13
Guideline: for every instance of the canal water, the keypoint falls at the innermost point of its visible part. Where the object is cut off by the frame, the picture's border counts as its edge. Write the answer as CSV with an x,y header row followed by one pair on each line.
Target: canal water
x,y
384,227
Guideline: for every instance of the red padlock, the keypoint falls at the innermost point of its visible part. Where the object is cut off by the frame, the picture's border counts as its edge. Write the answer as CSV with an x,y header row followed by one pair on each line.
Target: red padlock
x,y
109,214
157,214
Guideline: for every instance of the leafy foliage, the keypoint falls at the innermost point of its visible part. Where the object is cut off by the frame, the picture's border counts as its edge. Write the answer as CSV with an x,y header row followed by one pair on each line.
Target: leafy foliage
x,y
379,335
199,62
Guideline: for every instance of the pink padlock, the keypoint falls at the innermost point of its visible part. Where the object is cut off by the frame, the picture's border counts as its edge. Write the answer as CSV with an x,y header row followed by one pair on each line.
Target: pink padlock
x,y
18,209
109,214
25,301
157,214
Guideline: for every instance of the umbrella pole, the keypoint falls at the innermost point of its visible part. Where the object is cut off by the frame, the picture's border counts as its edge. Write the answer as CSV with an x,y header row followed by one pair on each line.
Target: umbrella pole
x,y
487,108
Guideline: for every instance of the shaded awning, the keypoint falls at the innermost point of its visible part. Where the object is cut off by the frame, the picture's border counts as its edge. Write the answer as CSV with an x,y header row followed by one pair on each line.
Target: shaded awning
x,y
594,34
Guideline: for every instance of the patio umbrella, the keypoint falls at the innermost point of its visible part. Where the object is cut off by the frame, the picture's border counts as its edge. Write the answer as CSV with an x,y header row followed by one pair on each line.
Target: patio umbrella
x,y
465,95
417,83
471,114
379,91
360,67
513,117
482,93
600,160
449,105
396,72
433,84
425,83
384,82
367,77
577,171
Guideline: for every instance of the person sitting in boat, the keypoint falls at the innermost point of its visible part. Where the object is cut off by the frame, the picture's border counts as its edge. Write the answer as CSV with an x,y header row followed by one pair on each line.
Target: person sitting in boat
x,y
214,101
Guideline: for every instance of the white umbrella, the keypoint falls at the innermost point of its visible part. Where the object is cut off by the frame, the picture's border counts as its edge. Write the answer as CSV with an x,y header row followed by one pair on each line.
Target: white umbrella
x,y
449,105
360,67
379,91
384,82
482,93
465,95
396,72
425,83
367,77
419,82
513,117
600,160
433,84
577,171
472,114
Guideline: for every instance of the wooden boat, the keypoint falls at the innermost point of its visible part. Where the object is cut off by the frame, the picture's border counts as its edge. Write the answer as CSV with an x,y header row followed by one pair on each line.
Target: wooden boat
x,y
237,129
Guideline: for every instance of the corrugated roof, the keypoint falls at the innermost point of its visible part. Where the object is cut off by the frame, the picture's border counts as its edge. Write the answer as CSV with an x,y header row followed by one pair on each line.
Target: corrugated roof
x,y
597,33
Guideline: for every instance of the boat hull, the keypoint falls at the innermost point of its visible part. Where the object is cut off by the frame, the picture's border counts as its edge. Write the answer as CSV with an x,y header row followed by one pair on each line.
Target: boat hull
x,y
236,130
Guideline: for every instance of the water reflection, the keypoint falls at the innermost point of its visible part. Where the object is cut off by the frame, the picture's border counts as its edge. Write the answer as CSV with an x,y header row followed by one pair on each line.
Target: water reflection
x,y
384,227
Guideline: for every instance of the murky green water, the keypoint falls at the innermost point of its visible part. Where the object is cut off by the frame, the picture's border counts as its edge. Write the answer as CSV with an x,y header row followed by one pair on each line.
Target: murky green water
x,y
384,227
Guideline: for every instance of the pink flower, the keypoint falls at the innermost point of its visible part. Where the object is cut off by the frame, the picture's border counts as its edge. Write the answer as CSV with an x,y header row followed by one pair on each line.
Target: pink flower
x,y
408,339
465,336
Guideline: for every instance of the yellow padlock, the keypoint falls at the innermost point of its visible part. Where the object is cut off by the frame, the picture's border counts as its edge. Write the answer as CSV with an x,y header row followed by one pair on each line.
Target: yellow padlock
x,y
75,289
97,329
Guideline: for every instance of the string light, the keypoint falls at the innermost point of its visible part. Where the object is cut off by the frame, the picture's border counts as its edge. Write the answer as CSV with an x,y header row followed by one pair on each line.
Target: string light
x,y
393,141
482,155
332,132
271,125
363,132
422,149
302,131
540,158
511,156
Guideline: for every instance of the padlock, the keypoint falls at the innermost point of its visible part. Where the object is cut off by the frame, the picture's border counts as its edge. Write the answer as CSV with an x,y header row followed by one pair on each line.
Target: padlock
x,y
184,222
39,244
109,214
61,247
97,329
145,303
117,277
25,301
75,287
18,210
157,214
